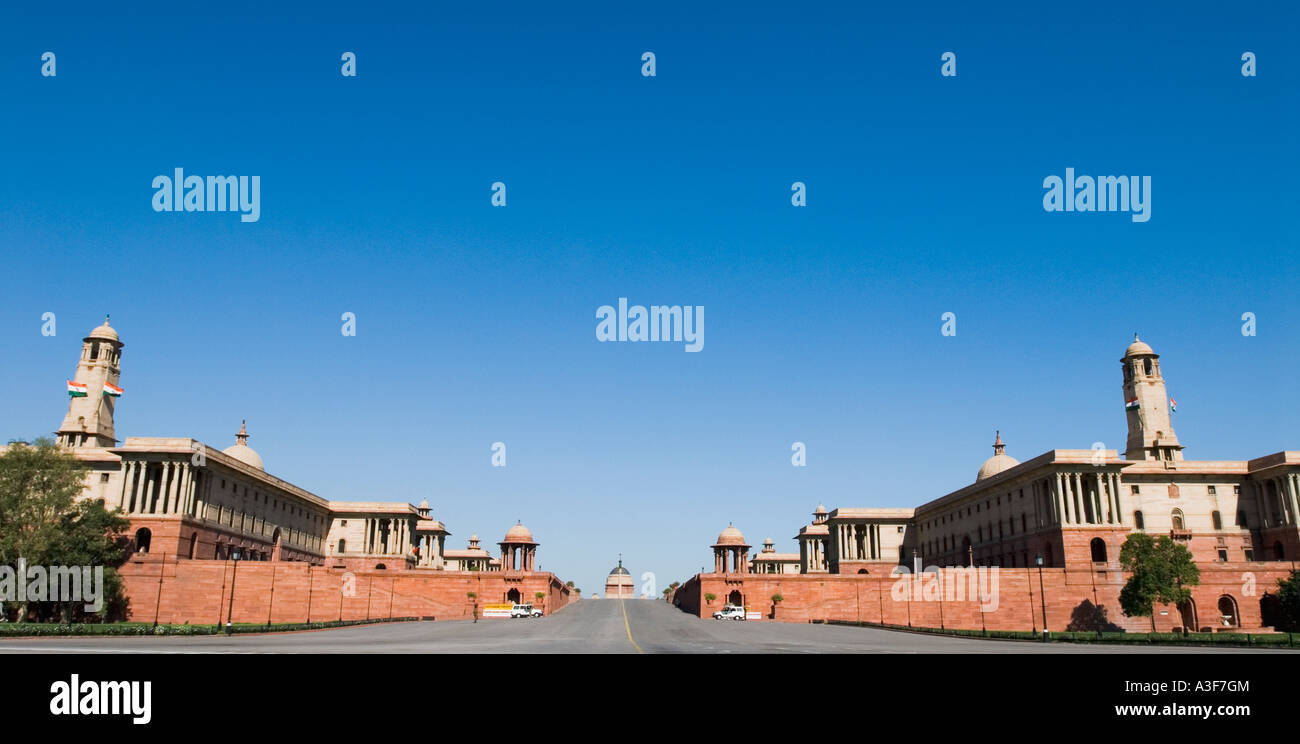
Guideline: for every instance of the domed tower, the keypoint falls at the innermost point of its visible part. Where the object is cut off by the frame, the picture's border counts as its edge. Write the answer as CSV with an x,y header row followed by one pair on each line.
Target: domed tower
x,y
730,553
93,391
518,550
241,451
1146,404
619,583
998,462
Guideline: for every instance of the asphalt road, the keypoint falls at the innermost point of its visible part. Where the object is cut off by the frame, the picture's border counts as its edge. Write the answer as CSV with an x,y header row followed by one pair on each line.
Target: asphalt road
x,y
599,626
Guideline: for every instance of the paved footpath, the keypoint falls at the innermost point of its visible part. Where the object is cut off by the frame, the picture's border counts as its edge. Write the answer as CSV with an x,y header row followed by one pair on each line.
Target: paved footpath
x,y
590,626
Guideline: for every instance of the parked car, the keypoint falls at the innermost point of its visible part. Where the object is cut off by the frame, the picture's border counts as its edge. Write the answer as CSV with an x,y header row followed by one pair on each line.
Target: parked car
x,y
730,612
525,610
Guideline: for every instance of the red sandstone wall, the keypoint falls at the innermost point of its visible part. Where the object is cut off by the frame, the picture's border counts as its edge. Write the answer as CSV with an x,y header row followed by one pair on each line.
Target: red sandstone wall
x,y
199,592
1072,597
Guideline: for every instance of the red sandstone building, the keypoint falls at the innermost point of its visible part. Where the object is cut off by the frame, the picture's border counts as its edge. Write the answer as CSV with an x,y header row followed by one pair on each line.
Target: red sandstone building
x,y
216,537
1052,526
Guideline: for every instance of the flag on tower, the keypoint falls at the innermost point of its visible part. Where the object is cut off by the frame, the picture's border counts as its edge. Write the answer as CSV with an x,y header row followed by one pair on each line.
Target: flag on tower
x,y
1173,405
112,391
76,389
1131,405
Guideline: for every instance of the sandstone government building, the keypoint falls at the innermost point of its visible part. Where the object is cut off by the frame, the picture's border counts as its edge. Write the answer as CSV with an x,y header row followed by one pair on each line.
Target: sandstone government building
x,y
197,511
1052,527
213,536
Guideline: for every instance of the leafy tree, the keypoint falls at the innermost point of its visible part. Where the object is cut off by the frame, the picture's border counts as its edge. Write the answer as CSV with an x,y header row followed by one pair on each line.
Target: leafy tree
x,y
777,598
709,597
1161,572
43,522
1288,596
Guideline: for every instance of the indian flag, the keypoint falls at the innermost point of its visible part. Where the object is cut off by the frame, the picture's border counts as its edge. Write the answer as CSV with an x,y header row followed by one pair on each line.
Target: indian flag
x,y
76,389
1173,405
112,391
1131,405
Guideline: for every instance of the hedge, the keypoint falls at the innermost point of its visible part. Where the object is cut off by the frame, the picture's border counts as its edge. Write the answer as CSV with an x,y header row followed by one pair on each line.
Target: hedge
x,y
1286,640
27,630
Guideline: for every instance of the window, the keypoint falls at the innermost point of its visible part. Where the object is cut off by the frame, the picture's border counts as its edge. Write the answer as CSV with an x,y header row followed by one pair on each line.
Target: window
x,y
1176,519
1146,366
1223,555
1218,520
1250,554
1138,520
1241,518
1134,490
1212,490
103,477
1098,547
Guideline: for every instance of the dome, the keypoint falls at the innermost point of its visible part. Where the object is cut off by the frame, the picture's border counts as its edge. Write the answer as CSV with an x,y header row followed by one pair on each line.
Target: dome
x,y
619,570
105,332
424,503
821,509
241,451
518,533
994,465
1137,347
730,536
999,462
245,454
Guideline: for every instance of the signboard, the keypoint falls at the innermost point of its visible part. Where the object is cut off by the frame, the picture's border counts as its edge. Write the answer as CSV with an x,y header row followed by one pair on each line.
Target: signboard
x,y
497,610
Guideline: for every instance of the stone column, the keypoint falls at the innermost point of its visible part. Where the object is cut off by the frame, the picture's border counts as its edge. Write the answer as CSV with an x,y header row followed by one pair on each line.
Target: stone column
x,y
1062,503
1293,490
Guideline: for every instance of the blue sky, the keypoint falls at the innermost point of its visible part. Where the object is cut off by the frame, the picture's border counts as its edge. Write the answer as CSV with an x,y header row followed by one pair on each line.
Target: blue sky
x,y
476,324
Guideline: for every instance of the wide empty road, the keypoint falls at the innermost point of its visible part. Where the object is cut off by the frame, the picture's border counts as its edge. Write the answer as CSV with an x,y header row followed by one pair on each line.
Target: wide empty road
x,y
592,626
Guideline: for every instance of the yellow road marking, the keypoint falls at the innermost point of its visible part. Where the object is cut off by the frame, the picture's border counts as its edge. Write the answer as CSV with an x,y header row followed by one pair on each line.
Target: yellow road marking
x,y
628,625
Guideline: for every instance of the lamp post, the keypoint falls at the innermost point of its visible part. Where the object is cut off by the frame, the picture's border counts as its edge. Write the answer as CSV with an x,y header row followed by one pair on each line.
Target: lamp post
x,y
234,571
1038,559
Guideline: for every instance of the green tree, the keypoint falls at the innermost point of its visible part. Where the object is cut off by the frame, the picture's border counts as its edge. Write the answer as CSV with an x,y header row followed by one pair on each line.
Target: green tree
x,y
709,597
1161,572
1288,596
43,522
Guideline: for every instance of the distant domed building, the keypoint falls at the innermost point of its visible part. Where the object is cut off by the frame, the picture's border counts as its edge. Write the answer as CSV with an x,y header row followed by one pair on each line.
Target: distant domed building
x,y
619,584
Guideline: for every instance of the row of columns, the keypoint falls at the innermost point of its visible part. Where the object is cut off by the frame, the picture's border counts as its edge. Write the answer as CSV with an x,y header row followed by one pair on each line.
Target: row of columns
x,y
1072,502
173,483
731,559
387,536
857,542
1278,499
812,555
518,557
431,549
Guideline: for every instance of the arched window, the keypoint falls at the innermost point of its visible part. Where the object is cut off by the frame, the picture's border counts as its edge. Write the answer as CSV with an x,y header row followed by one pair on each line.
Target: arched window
x,y
1138,520
1176,518
142,538
1146,365
343,546
1098,546
512,596
1228,612
862,570
381,567
736,598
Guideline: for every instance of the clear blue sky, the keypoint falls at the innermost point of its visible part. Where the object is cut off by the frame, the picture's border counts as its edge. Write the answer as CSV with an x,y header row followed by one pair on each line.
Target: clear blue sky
x,y
476,324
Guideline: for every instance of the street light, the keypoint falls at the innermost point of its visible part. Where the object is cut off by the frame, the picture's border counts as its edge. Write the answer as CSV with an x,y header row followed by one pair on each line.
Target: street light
x,y
234,571
1038,559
